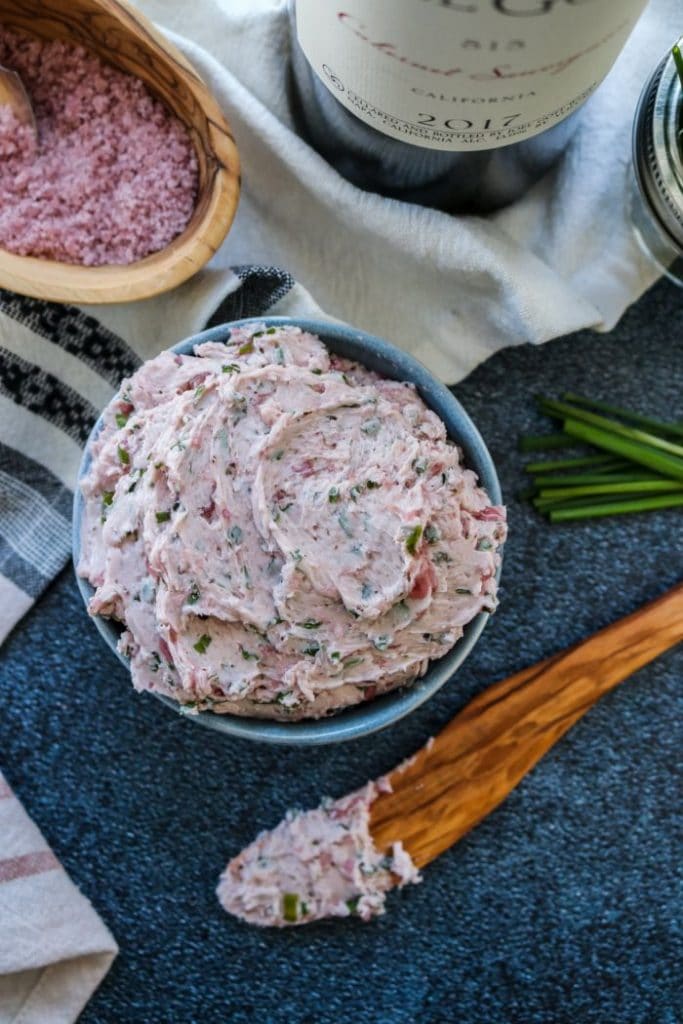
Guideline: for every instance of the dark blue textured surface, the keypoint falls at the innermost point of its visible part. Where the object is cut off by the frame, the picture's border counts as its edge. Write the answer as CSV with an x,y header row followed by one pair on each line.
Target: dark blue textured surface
x,y
563,907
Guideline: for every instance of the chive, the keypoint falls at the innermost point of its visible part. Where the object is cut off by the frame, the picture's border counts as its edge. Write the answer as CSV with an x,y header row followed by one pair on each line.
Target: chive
x,y
526,493
352,905
431,534
345,524
441,556
484,545
230,368
381,642
606,461
594,478
372,485
107,497
311,648
124,457
317,372
544,504
248,346
371,427
678,61
276,456
163,517
235,535
558,515
350,662
643,487
413,539
121,419
271,330
542,442
563,410
193,596
659,461
202,644
198,392
290,907
333,495
248,655
310,624
656,426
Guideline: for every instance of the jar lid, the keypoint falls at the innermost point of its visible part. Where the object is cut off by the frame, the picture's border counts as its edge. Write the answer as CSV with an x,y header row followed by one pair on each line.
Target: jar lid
x,y
658,147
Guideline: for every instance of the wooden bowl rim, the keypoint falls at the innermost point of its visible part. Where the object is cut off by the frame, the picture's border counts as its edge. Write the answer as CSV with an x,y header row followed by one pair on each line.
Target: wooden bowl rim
x,y
114,283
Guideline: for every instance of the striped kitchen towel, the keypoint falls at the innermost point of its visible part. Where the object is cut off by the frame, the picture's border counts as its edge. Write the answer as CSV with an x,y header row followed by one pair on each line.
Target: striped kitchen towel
x,y
54,949
59,366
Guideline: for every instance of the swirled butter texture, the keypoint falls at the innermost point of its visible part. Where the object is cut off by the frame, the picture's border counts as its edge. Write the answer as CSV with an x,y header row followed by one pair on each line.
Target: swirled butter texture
x,y
281,532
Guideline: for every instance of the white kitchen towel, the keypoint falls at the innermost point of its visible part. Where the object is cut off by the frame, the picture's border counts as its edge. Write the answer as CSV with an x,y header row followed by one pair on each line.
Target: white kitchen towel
x,y
54,949
451,290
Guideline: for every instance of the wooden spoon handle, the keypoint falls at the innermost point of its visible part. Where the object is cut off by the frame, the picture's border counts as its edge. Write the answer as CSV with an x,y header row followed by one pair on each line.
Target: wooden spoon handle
x,y
471,766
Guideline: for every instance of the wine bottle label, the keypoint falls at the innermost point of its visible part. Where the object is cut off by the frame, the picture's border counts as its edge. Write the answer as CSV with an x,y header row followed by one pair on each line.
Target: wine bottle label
x,y
463,74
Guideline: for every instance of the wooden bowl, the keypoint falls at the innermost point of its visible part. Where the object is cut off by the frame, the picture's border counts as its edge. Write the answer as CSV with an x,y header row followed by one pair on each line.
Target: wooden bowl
x,y
121,36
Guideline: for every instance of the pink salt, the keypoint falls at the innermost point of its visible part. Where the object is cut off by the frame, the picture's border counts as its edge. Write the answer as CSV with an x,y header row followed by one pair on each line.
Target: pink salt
x,y
114,175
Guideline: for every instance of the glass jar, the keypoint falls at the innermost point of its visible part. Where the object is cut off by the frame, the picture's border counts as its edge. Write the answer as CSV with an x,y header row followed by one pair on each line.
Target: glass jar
x,y
657,191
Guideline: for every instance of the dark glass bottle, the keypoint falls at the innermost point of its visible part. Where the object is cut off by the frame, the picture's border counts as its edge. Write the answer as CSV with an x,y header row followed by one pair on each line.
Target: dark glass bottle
x,y
413,99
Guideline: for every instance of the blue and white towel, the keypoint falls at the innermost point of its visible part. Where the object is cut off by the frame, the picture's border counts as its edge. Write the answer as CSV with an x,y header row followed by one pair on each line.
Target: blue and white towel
x,y
59,366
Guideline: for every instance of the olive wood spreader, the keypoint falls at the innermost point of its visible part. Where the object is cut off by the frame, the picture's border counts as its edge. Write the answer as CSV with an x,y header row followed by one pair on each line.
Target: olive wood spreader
x,y
466,771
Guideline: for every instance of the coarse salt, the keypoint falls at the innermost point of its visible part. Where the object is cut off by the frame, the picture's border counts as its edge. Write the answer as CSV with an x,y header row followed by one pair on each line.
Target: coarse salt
x,y
113,177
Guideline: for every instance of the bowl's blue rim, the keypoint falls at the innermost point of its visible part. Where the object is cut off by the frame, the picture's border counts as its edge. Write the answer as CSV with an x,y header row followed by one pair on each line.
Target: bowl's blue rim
x,y
362,719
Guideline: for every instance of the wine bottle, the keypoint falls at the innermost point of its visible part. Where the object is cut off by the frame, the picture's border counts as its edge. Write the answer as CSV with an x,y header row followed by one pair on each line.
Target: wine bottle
x,y
457,104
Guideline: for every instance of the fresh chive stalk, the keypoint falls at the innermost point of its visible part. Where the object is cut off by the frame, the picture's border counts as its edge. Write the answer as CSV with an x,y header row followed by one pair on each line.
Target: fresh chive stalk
x,y
678,61
571,479
527,493
655,426
544,504
290,907
644,487
606,463
544,442
610,508
661,462
565,411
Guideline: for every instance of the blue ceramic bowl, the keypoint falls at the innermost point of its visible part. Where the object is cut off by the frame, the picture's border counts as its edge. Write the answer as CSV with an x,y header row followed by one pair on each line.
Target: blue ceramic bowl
x,y
379,355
